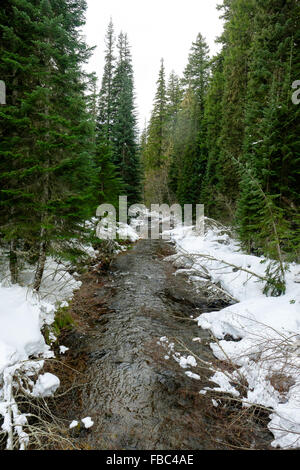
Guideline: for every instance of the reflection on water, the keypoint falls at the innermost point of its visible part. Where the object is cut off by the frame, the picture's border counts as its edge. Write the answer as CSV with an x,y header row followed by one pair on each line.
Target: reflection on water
x,y
135,397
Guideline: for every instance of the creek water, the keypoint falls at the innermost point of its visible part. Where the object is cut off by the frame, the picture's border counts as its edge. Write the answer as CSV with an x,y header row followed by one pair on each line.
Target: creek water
x,y
137,398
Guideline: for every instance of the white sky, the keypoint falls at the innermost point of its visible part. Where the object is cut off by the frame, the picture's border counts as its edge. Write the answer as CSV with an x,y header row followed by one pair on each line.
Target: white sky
x,y
156,29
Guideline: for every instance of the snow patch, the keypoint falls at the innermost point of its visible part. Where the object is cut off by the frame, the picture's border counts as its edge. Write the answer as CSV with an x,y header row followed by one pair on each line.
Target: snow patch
x,y
45,385
88,423
259,334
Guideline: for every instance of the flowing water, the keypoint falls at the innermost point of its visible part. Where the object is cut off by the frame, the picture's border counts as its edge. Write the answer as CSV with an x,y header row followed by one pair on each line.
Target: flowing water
x,y
136,397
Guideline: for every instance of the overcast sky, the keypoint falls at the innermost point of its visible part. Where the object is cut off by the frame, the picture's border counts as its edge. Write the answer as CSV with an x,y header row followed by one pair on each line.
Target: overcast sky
x,y
156,29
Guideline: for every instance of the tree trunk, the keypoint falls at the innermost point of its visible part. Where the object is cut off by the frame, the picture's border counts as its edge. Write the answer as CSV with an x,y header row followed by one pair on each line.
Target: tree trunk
x,y
13,259
43,244
13,262
40,267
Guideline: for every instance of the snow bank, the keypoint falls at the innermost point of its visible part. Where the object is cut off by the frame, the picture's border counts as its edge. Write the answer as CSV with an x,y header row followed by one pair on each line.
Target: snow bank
x,y
22,315
23,349
262,333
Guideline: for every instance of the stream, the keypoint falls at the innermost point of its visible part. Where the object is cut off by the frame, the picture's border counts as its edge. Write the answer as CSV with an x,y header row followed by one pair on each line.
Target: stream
x,y
137,398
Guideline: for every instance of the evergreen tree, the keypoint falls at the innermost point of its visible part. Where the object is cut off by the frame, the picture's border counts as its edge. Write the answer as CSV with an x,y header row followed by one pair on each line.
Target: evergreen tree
x,y
156,154
197,72
124,133
46,166
106,98
157,130
186,171
174,95
271,142
142,150
213,201
189,161
108,181
236,39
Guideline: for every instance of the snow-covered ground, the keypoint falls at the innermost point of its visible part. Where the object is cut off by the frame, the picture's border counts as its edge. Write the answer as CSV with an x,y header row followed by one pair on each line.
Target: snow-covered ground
x,y
23,315
260,335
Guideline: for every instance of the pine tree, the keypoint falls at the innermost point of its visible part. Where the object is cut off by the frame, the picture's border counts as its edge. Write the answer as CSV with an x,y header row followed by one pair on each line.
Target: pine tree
x,y
190,154
174,95
196,72
187,164
124,133
157,130
213,201
142,151
108,181
46,146
156,154
236,39
271,142
106,98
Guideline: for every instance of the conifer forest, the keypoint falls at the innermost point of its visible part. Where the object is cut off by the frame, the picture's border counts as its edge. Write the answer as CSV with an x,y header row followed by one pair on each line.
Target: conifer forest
x,y
223,133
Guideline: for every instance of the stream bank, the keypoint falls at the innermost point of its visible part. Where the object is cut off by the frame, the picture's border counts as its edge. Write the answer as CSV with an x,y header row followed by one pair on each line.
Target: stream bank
x,y
137,398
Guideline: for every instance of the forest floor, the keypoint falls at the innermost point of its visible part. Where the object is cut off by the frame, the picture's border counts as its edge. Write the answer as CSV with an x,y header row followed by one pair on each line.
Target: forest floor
x,y
172,345
138,396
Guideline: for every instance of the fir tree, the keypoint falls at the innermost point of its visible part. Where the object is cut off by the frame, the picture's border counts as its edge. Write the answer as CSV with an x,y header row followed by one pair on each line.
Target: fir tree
x,y
190,153
214,201
108,181
197,72
106,98
156,154
124,133
236,39
157,130
46,169
186,174
271,144
174,95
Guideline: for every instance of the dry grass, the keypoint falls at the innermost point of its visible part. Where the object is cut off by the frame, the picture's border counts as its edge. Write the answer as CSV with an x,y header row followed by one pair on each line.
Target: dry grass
x,y
229,425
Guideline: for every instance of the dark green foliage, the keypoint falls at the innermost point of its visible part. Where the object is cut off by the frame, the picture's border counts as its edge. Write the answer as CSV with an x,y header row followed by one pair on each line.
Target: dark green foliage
x,y
189,154
174,95
251,120
226,135
46,147
272,143
155,154
109,185
187,167
214,200
117,150
229,135
197,72
106,104
157,147
60,156
125,151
